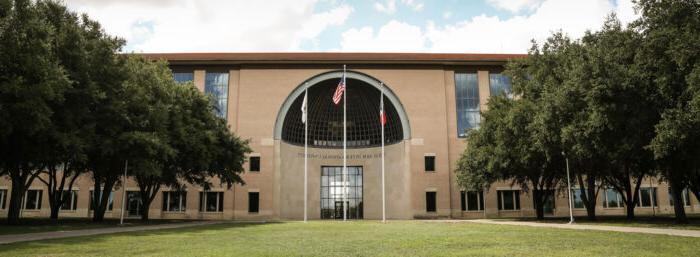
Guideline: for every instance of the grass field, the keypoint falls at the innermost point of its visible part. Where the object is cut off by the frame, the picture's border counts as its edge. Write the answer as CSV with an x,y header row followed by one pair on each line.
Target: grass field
x,y
362,238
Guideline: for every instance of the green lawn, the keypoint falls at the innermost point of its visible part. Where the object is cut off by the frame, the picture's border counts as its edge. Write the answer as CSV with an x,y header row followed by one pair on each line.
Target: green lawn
x,y
363,238
33,225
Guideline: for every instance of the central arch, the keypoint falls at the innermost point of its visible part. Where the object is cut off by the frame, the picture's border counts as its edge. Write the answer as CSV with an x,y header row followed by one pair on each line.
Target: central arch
x,y
396,107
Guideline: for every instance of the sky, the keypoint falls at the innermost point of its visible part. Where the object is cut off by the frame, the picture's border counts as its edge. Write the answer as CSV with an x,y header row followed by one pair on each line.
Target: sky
x,y
445,26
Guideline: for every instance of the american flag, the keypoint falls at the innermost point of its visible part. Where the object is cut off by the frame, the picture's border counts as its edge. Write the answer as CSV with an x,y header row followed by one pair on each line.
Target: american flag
x,y
382,114
338,95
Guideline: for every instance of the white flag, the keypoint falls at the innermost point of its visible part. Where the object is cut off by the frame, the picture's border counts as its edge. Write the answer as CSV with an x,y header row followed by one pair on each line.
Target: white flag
x,y
303,109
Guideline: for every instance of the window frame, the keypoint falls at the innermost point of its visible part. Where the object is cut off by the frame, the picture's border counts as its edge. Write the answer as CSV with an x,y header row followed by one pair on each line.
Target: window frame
x,y
175,75
685,195
3,198
251,167
37,201
492,77
619,201
580,199
501,199
254,206
216,98
110,201
182,201
431,195
463,99
653,200
429,162
73,201
204,200
465,203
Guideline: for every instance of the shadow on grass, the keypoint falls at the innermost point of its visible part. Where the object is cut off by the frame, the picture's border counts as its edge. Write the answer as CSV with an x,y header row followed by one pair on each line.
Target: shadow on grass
x,y
659,221
36,225
73,241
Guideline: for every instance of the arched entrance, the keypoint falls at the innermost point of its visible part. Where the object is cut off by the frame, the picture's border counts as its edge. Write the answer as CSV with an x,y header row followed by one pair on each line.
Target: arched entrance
x,y
325,155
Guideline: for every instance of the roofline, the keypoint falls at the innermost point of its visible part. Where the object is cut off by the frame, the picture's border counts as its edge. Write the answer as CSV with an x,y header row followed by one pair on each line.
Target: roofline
x,y
332,57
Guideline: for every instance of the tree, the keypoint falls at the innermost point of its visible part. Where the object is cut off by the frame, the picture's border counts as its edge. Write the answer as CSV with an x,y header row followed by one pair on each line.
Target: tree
x,y
32,83
670,59
64,158
511,146
620,109
109,121
180,139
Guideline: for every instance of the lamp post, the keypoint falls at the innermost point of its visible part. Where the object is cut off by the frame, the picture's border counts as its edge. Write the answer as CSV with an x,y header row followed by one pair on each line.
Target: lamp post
x,y
568,186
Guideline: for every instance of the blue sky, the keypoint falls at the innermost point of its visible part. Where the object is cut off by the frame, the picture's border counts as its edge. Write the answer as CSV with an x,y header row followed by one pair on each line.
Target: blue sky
x,y
475,26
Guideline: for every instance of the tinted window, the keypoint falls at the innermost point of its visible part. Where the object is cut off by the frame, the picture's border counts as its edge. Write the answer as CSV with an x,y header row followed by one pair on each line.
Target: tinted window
x,y
430,204
467,99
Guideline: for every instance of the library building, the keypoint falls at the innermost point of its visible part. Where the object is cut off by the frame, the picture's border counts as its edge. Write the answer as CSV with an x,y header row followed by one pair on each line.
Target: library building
x,y
430,102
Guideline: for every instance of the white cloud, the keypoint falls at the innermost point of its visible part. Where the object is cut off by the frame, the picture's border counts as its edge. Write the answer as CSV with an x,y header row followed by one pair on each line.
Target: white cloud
x,y
218,25
447,15
488,34
393,37
516,5
389,6
416,6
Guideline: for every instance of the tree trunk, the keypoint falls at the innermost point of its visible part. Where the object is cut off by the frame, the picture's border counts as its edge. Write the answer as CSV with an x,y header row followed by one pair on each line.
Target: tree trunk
x,y
538,202
102,193
678,204
592,198
630,211
16,197
54,213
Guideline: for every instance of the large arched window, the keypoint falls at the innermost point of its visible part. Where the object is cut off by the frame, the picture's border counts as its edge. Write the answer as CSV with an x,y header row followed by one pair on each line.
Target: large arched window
x,y
326,119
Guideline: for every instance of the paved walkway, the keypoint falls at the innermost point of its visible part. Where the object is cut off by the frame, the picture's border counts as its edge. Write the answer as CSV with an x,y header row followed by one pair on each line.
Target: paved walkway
x,y
13,238
658,231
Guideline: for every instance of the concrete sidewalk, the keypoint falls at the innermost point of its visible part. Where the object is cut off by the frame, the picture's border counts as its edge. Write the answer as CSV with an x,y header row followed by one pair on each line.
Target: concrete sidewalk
x,y
13,238
657,231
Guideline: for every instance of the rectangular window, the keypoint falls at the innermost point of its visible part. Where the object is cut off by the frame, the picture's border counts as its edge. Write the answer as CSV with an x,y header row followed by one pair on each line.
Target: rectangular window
x,y
32,200
685,194
500,84
174,201
253,202
613,199
254,163
110,203
430,201
577,195
211,202
508,200
70,200
3,198
429,163
467,99
216,85
647,197
183,77
472,200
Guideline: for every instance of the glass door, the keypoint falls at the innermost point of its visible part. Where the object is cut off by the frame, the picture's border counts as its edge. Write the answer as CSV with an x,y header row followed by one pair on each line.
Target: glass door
x,y
332,192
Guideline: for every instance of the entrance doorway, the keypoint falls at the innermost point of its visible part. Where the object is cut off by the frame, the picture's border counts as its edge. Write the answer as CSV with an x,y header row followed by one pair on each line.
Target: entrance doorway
x,y
332,192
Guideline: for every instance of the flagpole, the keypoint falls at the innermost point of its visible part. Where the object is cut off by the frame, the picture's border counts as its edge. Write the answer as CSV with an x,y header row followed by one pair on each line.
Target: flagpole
x,y
345,144
306,149
381,122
